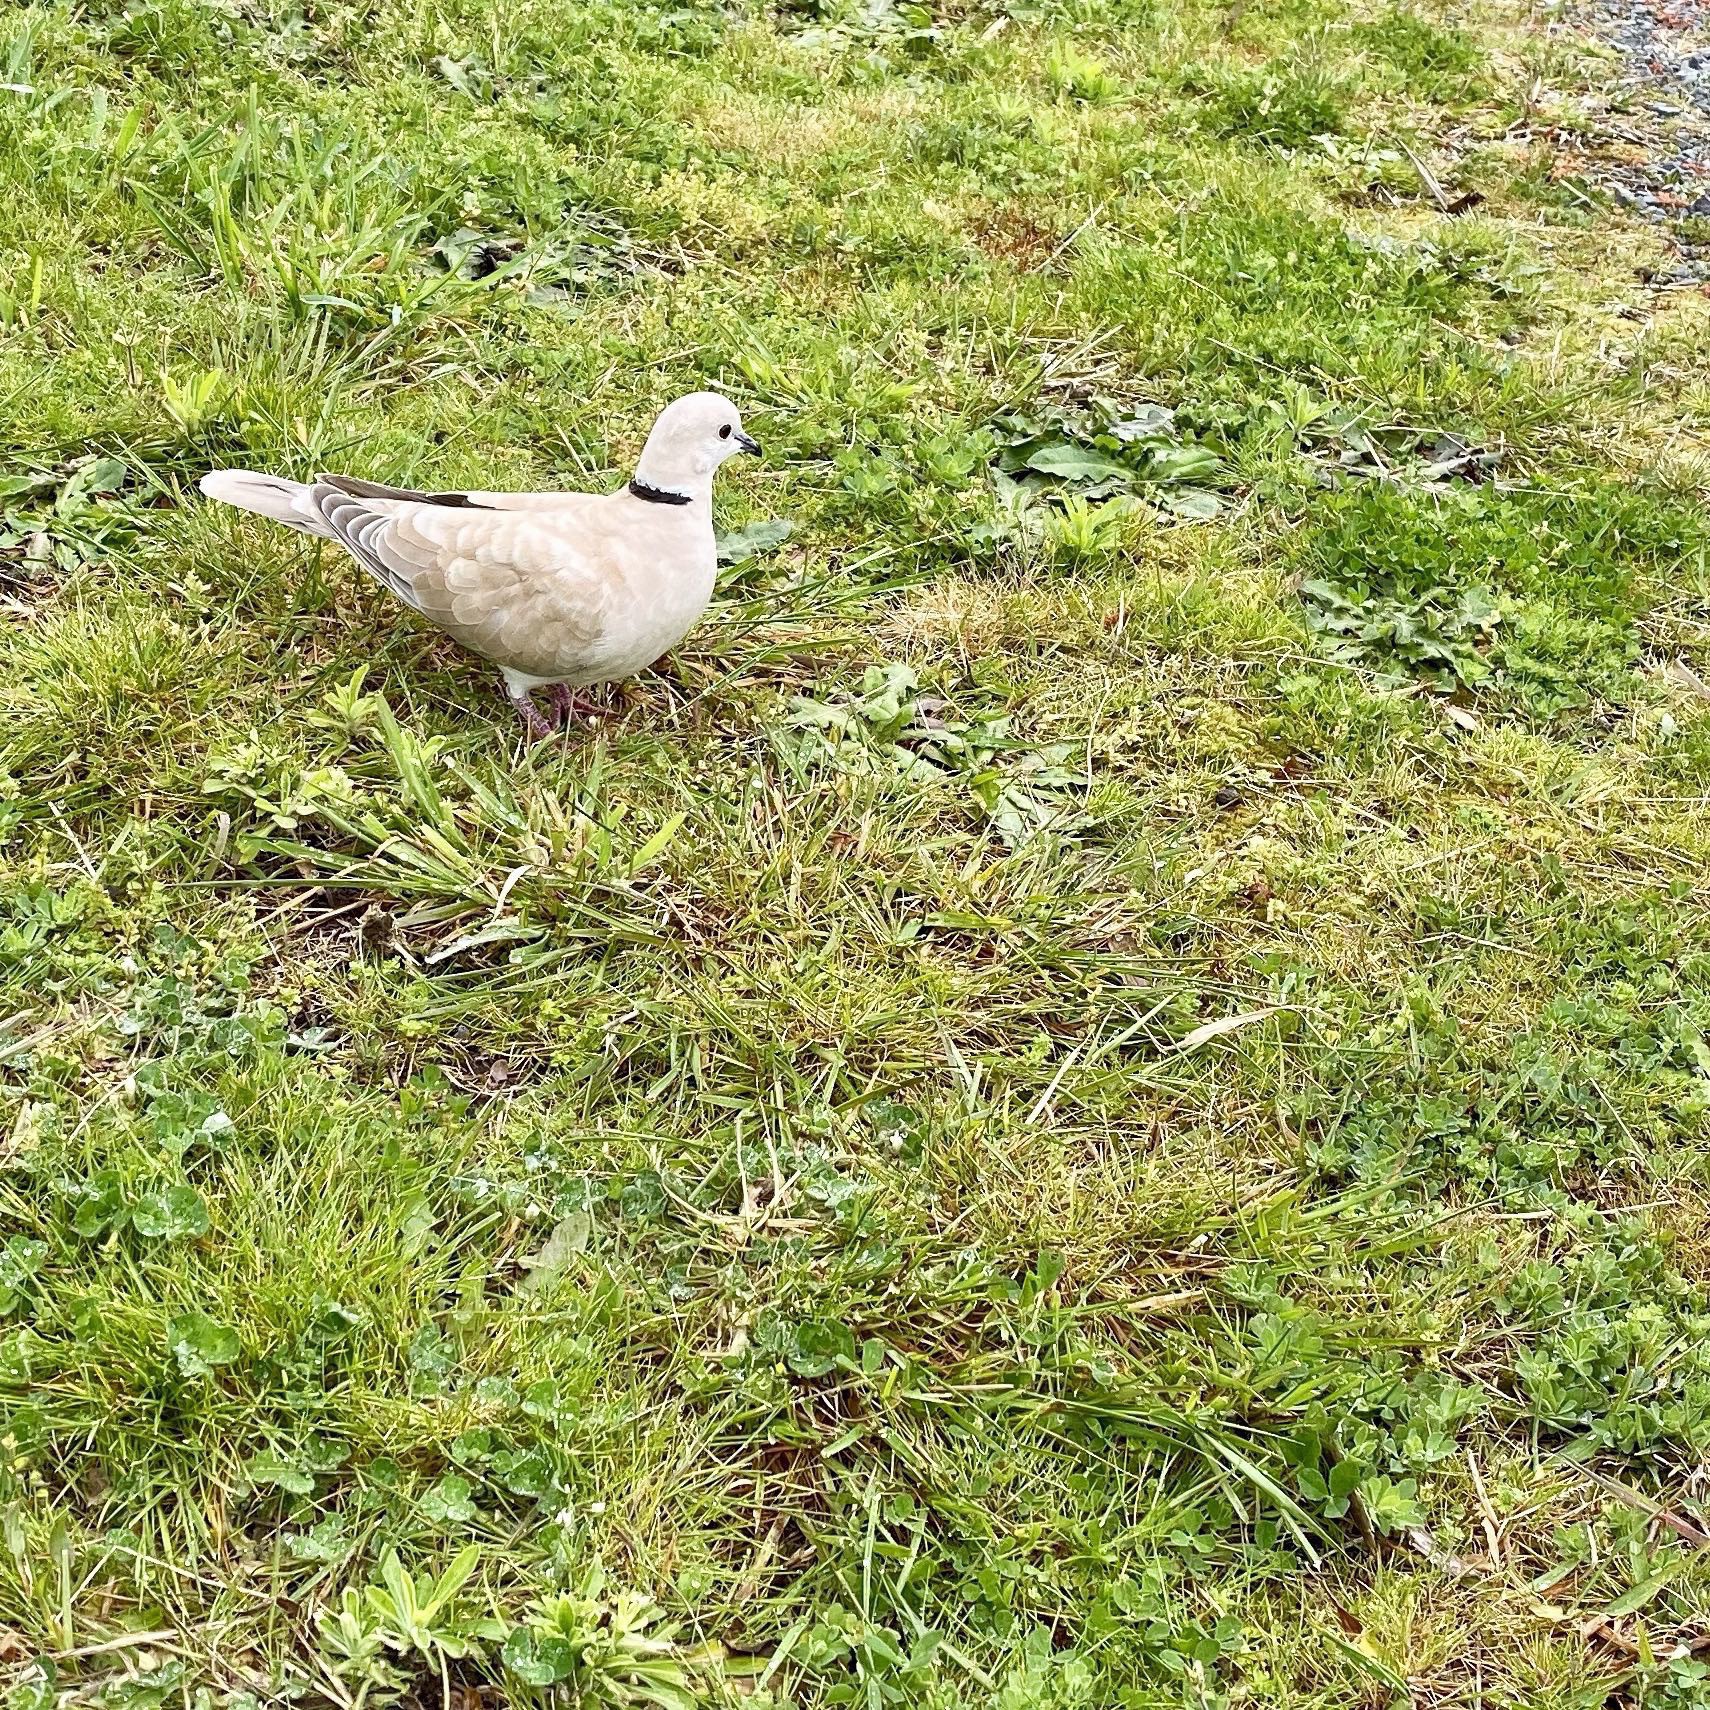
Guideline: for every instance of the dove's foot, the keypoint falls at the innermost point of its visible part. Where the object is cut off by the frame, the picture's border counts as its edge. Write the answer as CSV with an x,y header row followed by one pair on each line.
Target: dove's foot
x,y
571,703
536,726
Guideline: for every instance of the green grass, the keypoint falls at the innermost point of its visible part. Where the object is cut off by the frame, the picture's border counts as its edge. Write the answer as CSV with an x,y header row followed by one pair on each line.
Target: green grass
x,y
1102,1099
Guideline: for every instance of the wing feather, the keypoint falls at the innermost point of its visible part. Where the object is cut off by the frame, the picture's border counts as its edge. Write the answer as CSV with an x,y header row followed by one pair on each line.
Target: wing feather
x,y
516,586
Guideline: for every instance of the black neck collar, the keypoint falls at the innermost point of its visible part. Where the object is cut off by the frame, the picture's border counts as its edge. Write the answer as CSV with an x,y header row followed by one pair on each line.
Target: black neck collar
x,y
659,495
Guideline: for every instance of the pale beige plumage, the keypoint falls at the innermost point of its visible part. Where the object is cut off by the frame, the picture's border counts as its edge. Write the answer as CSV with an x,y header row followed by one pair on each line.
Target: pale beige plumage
x,y
561,589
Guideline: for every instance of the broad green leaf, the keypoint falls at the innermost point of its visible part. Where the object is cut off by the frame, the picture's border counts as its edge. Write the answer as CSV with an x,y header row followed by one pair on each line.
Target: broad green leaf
x,y
656,844
539,1659
274,1470
198,1344
20,1259
170,1214
1078,463
1148,421
417,1224
753,541
449,1500
399,1596
1194,502
451,1581
821,1345
1345,1478
100,1205
1636,1597
1183,463
324,1542
523,1472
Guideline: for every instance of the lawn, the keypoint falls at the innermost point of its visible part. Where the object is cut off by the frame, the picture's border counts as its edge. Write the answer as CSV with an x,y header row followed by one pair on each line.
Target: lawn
x,y
1097,1095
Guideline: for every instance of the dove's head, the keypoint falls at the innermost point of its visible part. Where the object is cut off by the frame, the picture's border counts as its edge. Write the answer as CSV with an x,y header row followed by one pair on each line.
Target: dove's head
x,y
691,438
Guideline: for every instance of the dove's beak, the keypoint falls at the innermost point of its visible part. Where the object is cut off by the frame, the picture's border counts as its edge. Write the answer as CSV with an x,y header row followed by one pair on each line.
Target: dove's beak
x,y
751,446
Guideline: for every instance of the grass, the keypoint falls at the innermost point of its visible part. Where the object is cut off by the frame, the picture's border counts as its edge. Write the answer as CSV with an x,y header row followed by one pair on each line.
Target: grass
x,y
1100,1099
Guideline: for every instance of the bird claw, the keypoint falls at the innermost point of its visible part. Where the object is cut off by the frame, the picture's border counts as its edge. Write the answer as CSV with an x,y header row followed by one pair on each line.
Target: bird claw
x,y
572,703
534,723
567,705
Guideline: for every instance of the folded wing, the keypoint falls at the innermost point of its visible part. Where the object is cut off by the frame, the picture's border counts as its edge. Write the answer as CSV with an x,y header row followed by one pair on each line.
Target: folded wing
x,y
517,586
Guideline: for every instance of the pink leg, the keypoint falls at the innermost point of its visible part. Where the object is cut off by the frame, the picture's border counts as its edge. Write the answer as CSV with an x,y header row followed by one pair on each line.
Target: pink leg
x,y
536,726
572,703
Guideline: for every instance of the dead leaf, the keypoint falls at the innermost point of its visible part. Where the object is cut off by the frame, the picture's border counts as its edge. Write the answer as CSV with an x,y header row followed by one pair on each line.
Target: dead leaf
x,y
1445,1561
1679,675
1223,1024
568,1238
1598,1628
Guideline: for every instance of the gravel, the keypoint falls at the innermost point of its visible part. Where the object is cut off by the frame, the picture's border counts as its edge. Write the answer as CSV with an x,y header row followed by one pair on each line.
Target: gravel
x,y
1659,108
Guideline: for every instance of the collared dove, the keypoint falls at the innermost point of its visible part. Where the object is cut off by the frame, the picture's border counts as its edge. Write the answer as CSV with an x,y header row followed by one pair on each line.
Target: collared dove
x,y
559,590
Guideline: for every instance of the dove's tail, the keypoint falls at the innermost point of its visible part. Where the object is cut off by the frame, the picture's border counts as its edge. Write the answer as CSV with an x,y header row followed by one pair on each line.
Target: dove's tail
x,y
289,502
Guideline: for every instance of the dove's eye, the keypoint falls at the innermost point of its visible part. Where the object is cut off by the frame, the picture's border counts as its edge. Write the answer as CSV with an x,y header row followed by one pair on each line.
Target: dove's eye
x,y
724,432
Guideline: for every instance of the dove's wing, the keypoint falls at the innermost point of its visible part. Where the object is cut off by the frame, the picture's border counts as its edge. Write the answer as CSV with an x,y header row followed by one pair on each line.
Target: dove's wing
x,y
515,586
460,501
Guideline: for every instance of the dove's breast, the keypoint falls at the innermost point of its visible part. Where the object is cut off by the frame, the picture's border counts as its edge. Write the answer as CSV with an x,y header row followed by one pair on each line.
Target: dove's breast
x,y
654,604
630,586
